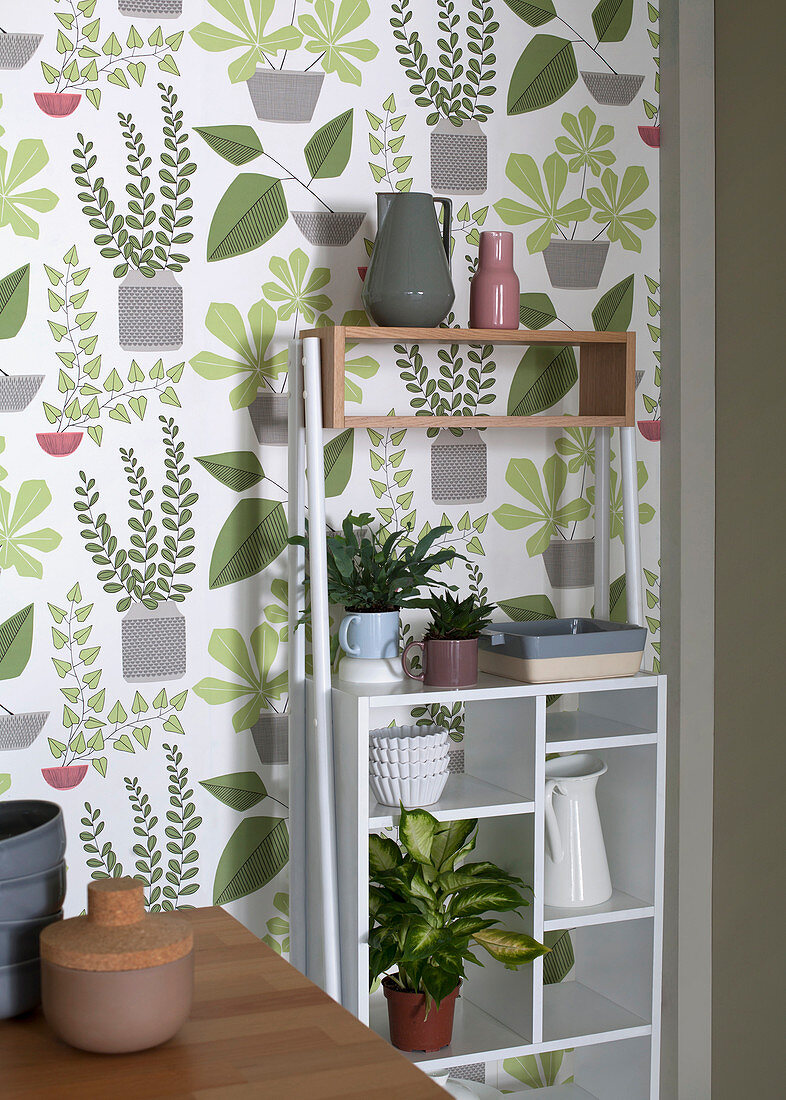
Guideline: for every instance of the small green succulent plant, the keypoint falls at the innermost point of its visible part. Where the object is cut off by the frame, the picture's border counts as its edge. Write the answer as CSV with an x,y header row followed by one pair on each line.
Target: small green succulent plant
x,y
453,619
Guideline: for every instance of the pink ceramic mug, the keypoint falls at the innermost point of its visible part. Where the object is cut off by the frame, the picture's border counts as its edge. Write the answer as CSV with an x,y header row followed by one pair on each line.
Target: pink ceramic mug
x,y
446,662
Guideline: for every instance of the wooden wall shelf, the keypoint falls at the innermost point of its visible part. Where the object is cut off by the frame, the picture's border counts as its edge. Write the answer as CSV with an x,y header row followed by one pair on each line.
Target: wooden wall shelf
x,y
607,375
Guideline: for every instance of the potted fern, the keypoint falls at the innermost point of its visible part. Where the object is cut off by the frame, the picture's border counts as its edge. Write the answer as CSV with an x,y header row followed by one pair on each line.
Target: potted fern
x,y
17,390
17,49
453,91
450,646
428,909
145,240
146,575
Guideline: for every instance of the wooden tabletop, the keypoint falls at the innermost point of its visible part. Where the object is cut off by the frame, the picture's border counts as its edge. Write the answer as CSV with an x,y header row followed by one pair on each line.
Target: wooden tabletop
x,y
258,1029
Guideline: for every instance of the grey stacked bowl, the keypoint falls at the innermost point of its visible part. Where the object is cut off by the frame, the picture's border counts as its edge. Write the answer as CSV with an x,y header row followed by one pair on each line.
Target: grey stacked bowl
x,y
32,891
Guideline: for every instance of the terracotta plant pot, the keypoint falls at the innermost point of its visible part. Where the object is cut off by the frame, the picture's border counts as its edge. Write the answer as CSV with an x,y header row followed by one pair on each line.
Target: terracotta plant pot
x,y
269,414
150,312
575,265
57,104
281,95
65,778
153,643
650,135
19,731
459,158
410,1029
613,89
328,228
570,563
17,49
18,390
446,662
459,467
650,429
59,444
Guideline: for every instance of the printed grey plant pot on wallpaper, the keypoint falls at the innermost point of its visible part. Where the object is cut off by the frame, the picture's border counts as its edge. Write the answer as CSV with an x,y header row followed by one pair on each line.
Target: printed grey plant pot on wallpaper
x,y
19,731
150,312
328,228
570,563
269,414
459,158
18,390
271,737
151,9
458,467
17,49
613,89
154,643
575,265
283,95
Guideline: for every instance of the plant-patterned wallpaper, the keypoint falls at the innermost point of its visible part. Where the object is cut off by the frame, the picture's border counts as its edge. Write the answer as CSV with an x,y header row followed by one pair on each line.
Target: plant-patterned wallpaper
x,y
184,184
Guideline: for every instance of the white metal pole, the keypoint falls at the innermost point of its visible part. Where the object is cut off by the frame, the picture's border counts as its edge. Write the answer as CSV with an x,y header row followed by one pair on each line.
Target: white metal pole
x,y
298,801
602,521
322,729
630,512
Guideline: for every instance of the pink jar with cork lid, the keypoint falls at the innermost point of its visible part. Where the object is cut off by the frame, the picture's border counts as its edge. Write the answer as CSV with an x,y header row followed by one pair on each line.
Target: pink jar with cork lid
x,y
494,291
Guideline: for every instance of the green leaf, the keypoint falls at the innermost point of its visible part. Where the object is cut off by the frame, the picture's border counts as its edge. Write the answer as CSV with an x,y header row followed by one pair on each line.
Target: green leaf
x,y
238,470
383,854
534,12
253,536
14,294
522,609
5,782
237,144
611,19
416,832
16,642
256,852
511,948
615,308
338,463
327,152
239,790
543,74
250,213
560,960
543,377
536,310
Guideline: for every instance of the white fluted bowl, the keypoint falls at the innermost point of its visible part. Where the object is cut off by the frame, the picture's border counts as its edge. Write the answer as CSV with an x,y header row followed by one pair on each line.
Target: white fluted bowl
x,y
400,737
414,754
412,793
407,771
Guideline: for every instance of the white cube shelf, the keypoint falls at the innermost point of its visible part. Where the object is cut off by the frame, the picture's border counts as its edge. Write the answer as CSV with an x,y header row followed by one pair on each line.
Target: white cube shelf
x,y
608,1009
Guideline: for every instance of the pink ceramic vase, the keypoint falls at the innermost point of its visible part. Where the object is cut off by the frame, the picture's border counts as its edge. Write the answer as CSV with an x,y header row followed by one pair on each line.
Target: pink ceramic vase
x,y
494,291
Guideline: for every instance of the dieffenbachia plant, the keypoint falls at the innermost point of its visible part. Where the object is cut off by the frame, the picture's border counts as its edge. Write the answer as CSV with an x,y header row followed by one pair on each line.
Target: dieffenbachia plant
x,y
87,391
16,200
148,235
584,149
149,570
456,87
324,31
20,546
86,57
92,723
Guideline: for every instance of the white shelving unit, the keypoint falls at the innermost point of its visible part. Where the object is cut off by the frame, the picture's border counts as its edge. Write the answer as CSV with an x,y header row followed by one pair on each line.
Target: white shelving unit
x,y
608,1010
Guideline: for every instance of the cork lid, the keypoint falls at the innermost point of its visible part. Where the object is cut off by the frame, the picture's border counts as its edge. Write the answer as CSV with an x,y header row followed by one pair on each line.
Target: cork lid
x,y
117,933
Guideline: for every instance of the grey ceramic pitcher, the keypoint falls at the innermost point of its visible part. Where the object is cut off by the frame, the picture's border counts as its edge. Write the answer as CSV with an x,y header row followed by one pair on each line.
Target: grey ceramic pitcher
x,y
408,283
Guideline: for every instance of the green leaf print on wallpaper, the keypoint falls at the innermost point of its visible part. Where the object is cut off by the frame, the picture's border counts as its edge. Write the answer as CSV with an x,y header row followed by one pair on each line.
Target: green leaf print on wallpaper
x,y
86,395
17,390
280,94
180,832
454,90
92,723
239,791
278,927
146,575
5,783
254,207
18,730
26,161
539,1071
87,58
386,142
547,68
571,262
19,546
145,238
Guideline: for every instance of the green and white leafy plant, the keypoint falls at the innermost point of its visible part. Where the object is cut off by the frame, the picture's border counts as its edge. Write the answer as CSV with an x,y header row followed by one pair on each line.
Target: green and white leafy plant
x,y
386,143
248,343
19,546
546,510
16,201
86,58
92,722
253,683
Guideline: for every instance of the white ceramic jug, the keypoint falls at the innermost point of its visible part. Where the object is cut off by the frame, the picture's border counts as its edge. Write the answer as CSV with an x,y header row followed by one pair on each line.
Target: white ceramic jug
x,y
577,871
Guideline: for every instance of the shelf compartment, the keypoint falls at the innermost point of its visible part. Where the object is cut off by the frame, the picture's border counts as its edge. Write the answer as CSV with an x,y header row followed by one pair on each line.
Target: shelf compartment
x,y
477,1037
619,907
465,796
577,730
576,1015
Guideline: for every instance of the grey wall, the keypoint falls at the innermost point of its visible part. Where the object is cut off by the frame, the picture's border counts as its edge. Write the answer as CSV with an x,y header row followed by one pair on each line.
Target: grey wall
x,y
750,723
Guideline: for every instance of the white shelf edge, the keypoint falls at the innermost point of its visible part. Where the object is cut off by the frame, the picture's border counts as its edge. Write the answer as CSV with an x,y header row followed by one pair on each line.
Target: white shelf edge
x,y
619,907
509,803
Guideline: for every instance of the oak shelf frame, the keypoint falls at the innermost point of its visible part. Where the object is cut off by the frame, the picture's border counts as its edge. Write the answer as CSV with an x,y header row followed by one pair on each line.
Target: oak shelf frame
x,y
607,375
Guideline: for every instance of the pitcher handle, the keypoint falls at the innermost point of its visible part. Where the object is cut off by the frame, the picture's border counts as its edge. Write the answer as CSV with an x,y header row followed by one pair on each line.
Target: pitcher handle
x,y
553,837
343,635
447,223
414,645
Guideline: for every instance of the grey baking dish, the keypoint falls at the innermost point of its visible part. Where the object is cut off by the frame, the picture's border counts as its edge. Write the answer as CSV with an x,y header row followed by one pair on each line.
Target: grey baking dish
x,y
547,650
